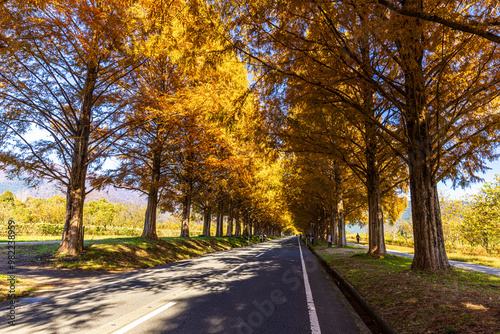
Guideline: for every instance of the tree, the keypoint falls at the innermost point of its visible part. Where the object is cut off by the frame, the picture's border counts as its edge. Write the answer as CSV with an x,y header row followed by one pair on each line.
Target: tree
x,y
474,17
7,197
101,212
178,142
438,91
481,222
60,76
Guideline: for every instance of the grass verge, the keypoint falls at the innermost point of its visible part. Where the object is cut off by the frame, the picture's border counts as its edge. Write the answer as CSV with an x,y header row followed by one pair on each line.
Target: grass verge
x,y
454,301
115,255
484,260
121,254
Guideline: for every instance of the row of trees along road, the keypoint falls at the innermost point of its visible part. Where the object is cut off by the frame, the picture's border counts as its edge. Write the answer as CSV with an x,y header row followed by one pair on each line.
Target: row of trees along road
x,y
150,83
364,98
392,92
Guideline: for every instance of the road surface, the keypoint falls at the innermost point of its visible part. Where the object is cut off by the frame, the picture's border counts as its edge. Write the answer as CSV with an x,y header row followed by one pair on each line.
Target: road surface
x,y
271,287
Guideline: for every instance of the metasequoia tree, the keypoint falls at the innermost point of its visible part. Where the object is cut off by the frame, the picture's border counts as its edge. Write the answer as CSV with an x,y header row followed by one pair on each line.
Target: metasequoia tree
x,y
318,196
154,93
60,76
441,93
177,98
321,126
477,17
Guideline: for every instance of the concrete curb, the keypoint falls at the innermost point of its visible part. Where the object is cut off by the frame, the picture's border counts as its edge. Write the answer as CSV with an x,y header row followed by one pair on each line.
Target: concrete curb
x,y
372,313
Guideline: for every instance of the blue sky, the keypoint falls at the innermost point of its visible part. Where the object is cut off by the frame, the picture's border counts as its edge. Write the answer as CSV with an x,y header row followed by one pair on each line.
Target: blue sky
x,y
474,188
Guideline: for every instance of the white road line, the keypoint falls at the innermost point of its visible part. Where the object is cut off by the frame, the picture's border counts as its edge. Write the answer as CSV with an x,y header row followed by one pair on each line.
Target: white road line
x,y
230,271
260,254
313,317
144,318
91,288
109,283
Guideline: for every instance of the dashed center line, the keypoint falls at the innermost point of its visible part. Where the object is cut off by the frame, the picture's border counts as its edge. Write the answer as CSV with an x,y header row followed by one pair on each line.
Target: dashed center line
x,y
143,319
230,271
260,254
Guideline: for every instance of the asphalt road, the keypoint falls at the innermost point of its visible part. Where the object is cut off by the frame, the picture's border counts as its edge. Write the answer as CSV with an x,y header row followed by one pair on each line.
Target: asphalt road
x,y
272,287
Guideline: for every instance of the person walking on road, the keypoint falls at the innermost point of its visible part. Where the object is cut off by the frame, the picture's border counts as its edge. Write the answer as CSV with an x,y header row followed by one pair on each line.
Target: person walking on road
x,y
312,239
329,241
357,237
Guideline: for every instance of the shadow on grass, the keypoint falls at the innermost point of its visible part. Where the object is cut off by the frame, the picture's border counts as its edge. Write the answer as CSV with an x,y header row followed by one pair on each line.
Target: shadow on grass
x,y
447,301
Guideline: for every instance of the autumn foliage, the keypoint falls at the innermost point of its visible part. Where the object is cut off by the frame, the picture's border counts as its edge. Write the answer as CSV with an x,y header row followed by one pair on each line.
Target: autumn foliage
x,y
272,113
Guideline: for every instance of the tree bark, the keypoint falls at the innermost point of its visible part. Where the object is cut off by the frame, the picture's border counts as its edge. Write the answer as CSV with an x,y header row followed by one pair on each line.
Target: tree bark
x,y
430,253
237,228
72,238
149,231
245,228
207,218
372,142
342,241
220,217
334,226
245,224
186,211
342,236
374,194
230,221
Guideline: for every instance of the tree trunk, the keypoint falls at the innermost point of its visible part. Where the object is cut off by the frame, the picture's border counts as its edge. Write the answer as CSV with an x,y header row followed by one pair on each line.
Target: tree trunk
x,y
72,238
186,212
230,221
340,207
245,229
334,226
430,253
220,217
372,140
149,231
245,224
342,237
207,218
375,213
237,228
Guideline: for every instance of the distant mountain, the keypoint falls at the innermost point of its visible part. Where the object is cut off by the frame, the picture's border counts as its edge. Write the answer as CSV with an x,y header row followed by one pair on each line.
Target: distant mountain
x,y
48,190
406,215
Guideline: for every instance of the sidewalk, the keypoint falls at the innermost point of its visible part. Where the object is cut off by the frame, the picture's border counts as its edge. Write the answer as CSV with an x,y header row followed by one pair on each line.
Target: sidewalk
x,y
459,264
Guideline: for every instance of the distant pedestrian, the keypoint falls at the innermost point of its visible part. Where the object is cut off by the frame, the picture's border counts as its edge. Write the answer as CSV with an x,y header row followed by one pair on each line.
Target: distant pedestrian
x,y
329,241
264,236
357,237
312,239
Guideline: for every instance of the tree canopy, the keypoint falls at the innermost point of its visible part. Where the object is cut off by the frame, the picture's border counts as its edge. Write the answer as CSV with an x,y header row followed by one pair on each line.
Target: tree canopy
x,y
273,116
